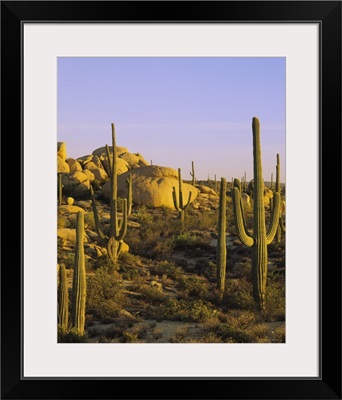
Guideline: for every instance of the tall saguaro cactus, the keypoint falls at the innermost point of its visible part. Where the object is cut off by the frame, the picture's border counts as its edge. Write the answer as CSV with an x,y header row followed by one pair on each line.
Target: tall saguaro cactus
x,y
193,174
261,236
221,249
179,205
63,299
79,279
60,188
281,225
117,228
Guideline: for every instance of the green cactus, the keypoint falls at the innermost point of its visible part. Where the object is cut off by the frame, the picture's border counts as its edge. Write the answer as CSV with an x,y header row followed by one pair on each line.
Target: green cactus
x,y
63,299
60,188
221,249
271,181
180,206
261,237
281,225
79,280
117,228
215,184
129,184
193,182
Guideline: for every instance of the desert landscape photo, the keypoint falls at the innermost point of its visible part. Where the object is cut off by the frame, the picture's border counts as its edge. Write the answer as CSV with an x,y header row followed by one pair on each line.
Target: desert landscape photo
x,y
171,200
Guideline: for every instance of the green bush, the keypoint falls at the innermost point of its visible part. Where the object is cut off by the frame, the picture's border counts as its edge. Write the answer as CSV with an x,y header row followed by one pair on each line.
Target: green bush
x,y
193,286
166,268
104,295
239,295
71,336
190,311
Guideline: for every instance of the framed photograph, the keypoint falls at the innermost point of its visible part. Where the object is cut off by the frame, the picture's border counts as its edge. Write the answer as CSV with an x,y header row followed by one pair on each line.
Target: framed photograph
x,y
174,260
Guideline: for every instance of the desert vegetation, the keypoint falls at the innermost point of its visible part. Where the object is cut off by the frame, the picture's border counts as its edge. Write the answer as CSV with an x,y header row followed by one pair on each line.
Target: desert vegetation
x,y
145,256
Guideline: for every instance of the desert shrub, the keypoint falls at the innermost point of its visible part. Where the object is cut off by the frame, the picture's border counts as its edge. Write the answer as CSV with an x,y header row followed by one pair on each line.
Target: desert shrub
x,y
144,217
150,241
67,258
129,337
210,338
243,327
201,220
188,241
103,263
180,334
71,336
275,302
278,335
193,286
89,221
63,221
104,295
166,268
152,294
130,266
239,295
191,311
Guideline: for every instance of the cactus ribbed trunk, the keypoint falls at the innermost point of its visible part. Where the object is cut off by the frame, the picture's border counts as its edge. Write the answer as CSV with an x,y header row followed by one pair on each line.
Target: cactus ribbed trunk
x,y
221,250
259,252
63,299
79,279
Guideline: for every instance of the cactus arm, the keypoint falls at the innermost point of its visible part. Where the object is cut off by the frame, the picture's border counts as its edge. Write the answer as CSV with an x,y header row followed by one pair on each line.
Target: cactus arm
x,y
188,203
105,166
242,233
110,164
79,279
175,201
119,247
129,194
123,225
238,185
273,226
99,231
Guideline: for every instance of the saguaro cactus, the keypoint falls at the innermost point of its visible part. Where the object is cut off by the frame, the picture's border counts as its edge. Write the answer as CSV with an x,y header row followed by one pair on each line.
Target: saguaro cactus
x,y
179,205
63,299
79,279
221,249
129,183
193,174
117,228
260,237
281,225
60,188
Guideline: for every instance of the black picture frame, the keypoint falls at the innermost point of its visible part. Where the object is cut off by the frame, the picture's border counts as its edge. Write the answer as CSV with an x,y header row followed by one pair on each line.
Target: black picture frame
x,y
328,14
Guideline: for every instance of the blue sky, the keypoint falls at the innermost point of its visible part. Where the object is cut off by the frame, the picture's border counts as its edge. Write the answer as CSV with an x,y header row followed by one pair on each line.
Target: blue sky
x,y
174,110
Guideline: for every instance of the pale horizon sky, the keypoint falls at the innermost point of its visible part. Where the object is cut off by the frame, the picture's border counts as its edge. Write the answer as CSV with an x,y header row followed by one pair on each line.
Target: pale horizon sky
x,y
174,110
